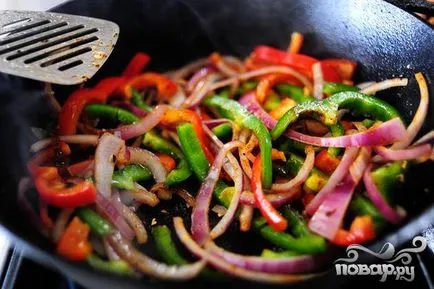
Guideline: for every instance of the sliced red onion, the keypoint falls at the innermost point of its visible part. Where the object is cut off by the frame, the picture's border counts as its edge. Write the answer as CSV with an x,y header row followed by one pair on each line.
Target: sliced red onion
x,y
419,117
85,139
188,69
199,216
318,80
405,154
108,147
284,265
130,107
109,251
226,267
389,213
114,216
246,217
426,138
148,265
360,164
337,176
301,176
363,85
201,90
386,133
143,196
151,161
215,122
132,219
237,176
179,98
198,76
382,85
235,62
277,200
263,71
225,69
144,125
219,210
329,216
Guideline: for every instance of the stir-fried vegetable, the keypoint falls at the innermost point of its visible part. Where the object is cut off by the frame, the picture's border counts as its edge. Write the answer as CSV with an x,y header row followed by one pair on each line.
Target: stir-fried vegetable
x,y
283,142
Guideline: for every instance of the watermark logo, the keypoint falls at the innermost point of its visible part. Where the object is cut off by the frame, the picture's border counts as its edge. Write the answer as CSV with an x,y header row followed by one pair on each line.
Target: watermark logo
x,y
401,269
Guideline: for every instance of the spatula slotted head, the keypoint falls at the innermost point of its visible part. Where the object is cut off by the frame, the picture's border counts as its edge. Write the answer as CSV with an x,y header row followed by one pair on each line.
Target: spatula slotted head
x,y
52,47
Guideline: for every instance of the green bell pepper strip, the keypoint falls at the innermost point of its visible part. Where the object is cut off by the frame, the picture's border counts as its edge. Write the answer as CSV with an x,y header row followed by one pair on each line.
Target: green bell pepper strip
x,y
309,244
331,88
294,92
246,86
118,267
368,122
127,177
138,101
236,112
297,222
99,110
289,145
361,206
169,253
316,179
387,177
197,160
166,247
273,101
193,152
97,224
336,130
270,254
223,131
359,104
157,143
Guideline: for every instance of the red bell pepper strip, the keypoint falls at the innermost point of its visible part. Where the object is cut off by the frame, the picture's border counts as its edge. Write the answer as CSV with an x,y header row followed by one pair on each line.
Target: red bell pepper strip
x,y
326,162
74,105
54,191
362,230
73,243
177,116
266,84
273,217
136,64
301,62
344,67
166,87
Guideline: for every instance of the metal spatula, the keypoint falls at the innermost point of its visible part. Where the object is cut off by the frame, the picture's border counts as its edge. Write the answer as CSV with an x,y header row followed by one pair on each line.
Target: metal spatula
x,y
52,47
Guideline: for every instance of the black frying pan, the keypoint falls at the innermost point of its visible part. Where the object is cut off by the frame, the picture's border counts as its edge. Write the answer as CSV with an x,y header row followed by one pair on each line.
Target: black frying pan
x,y
385,40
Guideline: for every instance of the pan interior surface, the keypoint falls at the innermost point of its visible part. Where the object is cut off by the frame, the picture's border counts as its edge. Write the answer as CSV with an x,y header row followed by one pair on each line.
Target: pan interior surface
x,y
385,41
